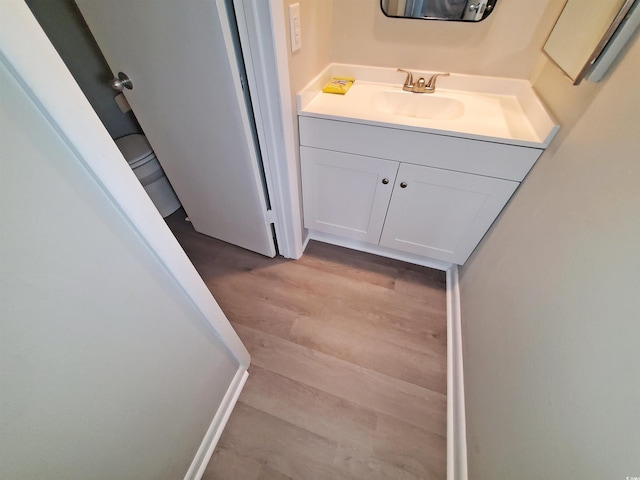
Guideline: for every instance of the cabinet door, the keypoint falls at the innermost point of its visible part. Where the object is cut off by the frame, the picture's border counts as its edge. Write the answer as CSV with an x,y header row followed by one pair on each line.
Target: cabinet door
x,y
346,194
442,214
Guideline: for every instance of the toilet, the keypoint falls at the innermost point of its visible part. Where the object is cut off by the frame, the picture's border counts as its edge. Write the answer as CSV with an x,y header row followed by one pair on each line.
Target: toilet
x,y
140,157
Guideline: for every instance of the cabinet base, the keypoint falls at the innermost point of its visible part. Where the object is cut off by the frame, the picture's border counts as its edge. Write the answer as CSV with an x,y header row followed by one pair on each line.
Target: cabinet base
x,y
377,250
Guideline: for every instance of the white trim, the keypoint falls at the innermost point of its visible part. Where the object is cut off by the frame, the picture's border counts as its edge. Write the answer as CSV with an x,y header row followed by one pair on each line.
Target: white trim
x,y
257,42
377,250
208,445
289,159
28,54
307,239
456,418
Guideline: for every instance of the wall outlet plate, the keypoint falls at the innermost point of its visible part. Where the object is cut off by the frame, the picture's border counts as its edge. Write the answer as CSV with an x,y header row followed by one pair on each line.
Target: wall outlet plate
x,y
295,27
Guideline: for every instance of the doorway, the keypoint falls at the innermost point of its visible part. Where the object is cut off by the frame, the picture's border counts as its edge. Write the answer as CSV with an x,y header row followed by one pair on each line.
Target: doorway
x,y
199,125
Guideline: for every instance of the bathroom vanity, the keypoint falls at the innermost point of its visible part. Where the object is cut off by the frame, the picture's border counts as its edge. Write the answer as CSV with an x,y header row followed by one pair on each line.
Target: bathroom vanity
x,y
425,174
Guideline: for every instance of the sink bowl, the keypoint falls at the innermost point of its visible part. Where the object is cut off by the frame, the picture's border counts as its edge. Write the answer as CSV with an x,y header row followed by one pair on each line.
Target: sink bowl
x,y
500,110
418,105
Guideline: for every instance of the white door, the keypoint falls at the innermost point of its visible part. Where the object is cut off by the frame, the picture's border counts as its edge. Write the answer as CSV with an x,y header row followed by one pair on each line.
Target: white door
x,y
346,194
442,214
56,156
188,97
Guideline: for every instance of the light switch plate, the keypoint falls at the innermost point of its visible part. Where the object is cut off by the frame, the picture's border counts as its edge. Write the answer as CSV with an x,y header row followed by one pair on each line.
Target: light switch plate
x,y
295,27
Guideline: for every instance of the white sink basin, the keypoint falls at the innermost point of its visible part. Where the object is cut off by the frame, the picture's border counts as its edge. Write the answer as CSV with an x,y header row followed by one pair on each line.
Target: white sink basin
x,y
418,105
482,108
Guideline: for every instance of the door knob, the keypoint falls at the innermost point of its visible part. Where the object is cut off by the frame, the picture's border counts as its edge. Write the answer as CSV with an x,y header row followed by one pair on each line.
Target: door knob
x,y
385,181
403,185
123,81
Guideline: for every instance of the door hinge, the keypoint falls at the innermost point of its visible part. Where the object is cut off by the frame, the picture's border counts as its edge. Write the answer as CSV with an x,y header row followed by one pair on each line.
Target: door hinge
x,y
271,217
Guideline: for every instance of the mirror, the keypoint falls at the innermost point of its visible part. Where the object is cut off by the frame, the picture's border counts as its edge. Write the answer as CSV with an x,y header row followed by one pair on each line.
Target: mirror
x,y
575,50
456,10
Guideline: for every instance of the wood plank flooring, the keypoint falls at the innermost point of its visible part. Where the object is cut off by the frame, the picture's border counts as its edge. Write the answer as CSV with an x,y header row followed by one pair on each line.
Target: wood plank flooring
x,y
348,363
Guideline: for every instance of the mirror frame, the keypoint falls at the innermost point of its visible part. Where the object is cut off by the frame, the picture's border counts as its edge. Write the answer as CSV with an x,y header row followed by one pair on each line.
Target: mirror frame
x,y
489,7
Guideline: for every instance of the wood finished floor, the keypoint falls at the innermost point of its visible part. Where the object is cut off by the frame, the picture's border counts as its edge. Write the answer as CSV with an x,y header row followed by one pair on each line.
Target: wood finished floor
x,y
348,363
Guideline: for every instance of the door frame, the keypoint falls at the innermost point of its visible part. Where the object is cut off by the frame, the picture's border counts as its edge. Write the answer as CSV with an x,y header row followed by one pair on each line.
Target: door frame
x,y
263,41
30,56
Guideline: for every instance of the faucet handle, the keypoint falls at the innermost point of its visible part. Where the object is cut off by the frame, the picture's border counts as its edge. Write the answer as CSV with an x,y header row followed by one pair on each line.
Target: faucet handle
x,y
408,83
431,84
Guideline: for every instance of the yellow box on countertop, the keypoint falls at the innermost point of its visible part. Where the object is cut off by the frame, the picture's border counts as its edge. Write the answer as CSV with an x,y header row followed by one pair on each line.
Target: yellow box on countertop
x,y
338,85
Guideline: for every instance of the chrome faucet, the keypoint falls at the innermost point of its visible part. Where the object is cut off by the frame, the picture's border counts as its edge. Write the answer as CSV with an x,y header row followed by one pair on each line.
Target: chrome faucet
x,y
421,85
408,83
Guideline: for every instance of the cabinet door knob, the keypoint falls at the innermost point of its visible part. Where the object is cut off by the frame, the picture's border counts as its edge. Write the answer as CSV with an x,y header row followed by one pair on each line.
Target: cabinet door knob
x,y
385,181
403,184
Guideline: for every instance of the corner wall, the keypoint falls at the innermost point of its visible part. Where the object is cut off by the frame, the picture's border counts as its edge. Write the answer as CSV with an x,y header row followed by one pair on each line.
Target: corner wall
x,y
550,299
305,64
315,54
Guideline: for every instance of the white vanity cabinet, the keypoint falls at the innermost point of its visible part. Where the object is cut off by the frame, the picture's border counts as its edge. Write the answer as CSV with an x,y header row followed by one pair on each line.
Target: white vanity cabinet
x,y
425,194
344,194
440,213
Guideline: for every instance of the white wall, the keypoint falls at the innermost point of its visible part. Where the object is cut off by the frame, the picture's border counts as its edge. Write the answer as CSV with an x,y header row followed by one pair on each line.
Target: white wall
x,y
107,370
315,54
550,299
506,44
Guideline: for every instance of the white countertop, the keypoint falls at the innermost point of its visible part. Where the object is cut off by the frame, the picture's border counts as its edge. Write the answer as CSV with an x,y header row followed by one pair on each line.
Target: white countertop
x,y
495,109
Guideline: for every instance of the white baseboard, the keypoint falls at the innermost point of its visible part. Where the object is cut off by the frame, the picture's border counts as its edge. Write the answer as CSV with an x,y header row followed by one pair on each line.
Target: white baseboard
x,y
456,419
208,445
378,250
306,238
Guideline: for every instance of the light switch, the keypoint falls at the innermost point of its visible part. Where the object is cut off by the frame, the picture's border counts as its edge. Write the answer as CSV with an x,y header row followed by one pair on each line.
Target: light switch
x,y
295,28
